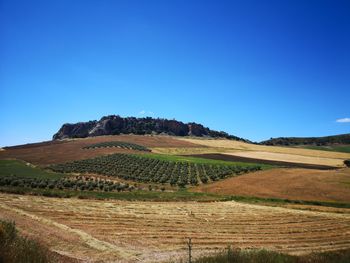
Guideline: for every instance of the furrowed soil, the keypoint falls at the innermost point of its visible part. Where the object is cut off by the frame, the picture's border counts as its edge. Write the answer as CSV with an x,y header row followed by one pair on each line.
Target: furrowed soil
x,y
289,183
119,231
69,150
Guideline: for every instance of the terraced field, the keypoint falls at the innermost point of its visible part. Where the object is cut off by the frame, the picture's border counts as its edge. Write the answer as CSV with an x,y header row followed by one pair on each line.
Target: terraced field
x,y
157,231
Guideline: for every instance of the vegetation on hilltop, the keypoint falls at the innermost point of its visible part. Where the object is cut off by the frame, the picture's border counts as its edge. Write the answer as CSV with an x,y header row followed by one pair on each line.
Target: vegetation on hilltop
x,y
316,141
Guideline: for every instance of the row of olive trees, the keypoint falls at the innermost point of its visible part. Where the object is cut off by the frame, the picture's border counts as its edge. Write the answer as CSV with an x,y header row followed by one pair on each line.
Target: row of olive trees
x,y
152,170
118,144
65,183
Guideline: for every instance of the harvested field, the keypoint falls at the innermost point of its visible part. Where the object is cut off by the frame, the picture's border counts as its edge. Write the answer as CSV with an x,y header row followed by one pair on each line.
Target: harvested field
x,y
68,150
294,184
155,231
234,158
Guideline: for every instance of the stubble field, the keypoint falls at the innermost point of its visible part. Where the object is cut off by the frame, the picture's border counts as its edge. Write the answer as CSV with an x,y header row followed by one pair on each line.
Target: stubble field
x,y
119,231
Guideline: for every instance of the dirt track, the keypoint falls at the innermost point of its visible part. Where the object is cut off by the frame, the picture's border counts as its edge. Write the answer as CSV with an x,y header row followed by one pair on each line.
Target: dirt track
x,y
291,183
155,231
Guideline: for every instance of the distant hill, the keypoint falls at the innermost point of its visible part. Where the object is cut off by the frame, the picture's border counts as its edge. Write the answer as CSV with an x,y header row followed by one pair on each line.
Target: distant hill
x,y
114,125
316,141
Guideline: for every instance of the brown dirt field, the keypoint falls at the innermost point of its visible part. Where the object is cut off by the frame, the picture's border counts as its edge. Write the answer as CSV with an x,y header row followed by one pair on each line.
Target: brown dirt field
x,y
68,150
120,231
290,183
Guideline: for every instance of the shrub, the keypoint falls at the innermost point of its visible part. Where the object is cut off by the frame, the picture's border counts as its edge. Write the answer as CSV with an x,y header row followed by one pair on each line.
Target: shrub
x,y
16,249
347,163
266,256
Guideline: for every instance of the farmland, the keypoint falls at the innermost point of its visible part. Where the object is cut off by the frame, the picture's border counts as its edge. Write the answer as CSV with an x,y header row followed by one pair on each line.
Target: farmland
x,y
241,149
157,231
134,198
296,183
147,169
55,152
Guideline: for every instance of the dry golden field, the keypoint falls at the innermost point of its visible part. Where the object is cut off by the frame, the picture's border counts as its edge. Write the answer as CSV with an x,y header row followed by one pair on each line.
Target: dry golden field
x,y
127,231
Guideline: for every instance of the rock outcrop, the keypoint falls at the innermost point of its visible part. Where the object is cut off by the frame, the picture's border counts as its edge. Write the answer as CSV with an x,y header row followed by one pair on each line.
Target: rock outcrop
x,y
114,125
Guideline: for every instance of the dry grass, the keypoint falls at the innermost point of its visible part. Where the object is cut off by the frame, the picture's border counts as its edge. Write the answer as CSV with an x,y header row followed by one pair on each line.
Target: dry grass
x,y
120,231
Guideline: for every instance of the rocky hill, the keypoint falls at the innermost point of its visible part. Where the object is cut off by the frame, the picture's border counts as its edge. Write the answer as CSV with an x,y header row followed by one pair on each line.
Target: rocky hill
x,y
318,141
114,125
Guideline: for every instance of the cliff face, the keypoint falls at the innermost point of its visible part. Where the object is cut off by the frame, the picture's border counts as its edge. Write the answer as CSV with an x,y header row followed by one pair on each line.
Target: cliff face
x,y
114,124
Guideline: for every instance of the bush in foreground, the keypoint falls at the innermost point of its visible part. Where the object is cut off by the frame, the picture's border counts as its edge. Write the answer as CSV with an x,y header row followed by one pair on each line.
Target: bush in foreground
x,y
265,256
347,163
17,249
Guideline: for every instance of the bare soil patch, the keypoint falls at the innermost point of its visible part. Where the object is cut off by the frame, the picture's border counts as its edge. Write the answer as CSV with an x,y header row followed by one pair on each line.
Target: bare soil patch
x,y
119,231
289,183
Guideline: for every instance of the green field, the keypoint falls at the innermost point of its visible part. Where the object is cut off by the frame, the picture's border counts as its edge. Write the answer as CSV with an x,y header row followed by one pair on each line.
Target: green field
x,y
25,170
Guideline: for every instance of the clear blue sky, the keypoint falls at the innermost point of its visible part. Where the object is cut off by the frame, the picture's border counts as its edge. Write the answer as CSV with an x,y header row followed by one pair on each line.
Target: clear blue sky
x,y
255,69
